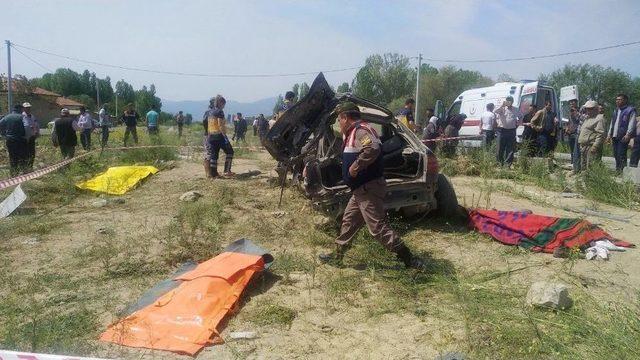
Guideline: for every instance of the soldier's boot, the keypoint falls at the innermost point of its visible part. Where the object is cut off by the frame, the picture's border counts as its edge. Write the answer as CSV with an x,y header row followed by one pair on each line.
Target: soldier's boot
x,y
409,260
335,257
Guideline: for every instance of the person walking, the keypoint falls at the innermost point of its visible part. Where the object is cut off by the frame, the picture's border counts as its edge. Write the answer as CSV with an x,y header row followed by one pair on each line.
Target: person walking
x,y
217,137
452,130
263,126
592,135
30,121
152,121
544,124
180,122
488,126
507,120
529,140
65,128
362,171
86,126
16,133
621,130
241,126
104,121
130,119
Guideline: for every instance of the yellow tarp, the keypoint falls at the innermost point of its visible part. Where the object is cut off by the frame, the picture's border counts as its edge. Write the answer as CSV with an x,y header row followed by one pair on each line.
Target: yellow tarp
x,y
118,180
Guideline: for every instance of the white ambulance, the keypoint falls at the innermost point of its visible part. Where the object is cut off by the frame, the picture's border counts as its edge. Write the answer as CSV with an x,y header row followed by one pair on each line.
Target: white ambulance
x,y
473,103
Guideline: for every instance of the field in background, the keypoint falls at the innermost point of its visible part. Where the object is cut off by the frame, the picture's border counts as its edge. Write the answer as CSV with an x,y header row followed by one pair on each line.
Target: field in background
x,y
68,267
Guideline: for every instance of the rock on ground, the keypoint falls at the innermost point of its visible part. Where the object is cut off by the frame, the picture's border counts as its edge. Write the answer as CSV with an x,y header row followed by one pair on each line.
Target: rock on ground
x,y
190,196
549,295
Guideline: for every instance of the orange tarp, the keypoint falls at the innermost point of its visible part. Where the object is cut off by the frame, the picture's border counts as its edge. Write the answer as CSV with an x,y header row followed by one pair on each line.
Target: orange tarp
x,y
185,319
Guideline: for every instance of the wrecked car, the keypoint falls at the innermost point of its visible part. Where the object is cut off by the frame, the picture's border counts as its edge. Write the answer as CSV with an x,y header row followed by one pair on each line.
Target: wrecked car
x,y
307,139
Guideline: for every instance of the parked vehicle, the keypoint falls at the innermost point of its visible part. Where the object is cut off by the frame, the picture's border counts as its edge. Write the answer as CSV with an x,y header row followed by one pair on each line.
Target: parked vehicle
x,y
307,138
473,103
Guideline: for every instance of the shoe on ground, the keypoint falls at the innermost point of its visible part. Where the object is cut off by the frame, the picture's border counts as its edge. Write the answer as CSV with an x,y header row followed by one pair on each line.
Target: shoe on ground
x,y
229,174
416,263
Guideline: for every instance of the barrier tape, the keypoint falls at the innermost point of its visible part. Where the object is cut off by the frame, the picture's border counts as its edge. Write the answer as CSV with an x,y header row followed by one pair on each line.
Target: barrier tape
x,y
15,355
51,168
467,137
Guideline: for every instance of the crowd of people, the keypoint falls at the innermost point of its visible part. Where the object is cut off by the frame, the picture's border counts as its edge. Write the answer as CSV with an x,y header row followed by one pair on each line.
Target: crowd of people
x,y
586,131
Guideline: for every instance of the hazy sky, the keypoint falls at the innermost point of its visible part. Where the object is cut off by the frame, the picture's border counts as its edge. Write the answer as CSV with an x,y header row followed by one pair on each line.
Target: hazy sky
x,y
241,37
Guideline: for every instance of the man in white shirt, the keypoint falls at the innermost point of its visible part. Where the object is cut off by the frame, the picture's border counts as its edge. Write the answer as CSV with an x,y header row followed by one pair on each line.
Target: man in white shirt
x,y
30,122
507,120
85,123
488,125
104,121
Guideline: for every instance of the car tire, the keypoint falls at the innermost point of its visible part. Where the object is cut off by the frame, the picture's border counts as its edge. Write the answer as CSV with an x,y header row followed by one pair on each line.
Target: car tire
x,y
448,207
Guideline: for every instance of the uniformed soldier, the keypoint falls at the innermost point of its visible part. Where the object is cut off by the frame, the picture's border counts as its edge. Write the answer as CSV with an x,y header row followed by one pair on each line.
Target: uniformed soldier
x,y
289,101
362,170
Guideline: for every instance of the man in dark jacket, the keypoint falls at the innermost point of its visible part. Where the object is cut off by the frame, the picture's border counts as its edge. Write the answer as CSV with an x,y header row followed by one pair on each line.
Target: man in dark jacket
x,y
65,127
16,132
621,130
130,119
241,126
362,171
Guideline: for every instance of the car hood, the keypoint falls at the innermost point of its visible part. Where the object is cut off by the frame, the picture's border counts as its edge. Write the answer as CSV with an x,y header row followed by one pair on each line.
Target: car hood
x,y
290,133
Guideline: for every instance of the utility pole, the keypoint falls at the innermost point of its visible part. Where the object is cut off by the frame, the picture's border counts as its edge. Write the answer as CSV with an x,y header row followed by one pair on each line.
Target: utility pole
x,y
98,91
418,90
9,85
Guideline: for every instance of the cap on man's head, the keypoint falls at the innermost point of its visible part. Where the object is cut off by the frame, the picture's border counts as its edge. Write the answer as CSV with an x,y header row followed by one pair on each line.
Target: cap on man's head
x,y
347,107
25,105
590,104
64,111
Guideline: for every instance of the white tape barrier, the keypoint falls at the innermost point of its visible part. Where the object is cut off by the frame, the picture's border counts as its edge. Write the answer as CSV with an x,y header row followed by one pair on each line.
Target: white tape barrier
x,y
14,355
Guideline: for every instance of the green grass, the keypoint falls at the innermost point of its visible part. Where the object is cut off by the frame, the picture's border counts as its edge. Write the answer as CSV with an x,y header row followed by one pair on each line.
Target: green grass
x,y
268,313
600,184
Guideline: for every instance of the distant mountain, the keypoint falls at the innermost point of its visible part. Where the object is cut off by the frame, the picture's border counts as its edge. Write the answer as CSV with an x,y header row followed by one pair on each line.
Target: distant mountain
x,y
198,107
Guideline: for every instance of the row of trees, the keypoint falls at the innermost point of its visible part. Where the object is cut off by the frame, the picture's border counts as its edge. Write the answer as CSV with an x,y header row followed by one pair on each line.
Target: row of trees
x,y
390,79
82,87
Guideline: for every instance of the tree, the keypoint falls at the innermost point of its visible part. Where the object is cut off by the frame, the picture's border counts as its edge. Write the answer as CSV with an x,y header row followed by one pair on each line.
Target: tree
x,y
504,77
446,84
278,104
124,92
85,99
344,88
304,90
295,89
595,83
384,78
188,118
146,99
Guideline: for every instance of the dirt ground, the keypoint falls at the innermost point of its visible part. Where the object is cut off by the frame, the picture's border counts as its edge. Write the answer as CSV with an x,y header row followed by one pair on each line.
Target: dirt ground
x,y
328,322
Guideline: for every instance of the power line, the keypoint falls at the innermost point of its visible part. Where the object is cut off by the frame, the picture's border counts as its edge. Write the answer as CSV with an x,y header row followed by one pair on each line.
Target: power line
x,y
535,57
29,58
184,73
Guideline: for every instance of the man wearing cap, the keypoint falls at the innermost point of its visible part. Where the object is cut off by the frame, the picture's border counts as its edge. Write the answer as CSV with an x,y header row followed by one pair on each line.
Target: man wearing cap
x,y
405,115
180,122
15,132
31,123
591,136
85,124
130,119
65,127
621,130
104,121
362,171
507,120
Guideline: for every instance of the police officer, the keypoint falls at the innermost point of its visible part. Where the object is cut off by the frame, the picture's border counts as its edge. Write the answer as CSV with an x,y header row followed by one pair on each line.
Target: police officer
x,y
362,170
217,138
16,133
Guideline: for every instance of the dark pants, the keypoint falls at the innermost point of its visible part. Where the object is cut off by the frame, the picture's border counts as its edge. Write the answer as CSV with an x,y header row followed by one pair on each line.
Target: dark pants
x,y
219,142
180,129
366,206
133,131
255,131
506,145
545,144
635,152
488,137
153,130
85,138
573,144
31,152
620,153
67,151
576,156
18,153
105,135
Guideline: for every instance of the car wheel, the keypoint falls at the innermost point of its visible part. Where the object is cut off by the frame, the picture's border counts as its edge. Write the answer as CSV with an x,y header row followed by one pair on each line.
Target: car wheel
x,y
447,201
